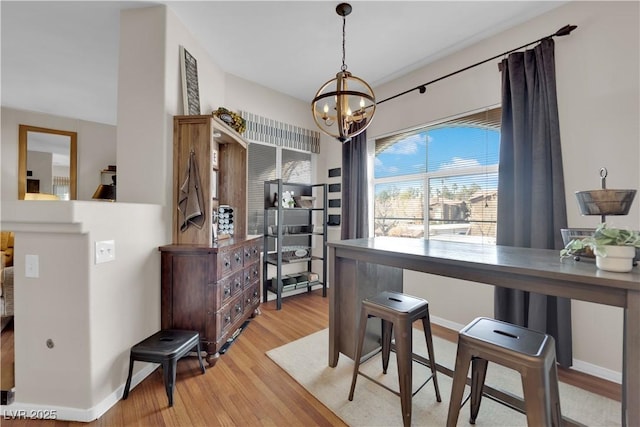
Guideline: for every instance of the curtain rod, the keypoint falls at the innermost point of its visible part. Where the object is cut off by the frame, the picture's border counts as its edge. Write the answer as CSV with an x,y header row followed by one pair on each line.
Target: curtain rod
x,y
567,29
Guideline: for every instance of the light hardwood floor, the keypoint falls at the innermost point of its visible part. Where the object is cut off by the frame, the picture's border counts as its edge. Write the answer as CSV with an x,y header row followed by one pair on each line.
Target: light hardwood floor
x,y
245,388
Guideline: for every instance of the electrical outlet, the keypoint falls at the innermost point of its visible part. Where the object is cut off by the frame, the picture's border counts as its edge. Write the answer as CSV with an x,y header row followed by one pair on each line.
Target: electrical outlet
x,y
32,266
105,251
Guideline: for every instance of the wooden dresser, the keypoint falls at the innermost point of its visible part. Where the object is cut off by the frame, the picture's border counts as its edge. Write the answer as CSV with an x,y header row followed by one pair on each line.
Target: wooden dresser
x,y
211,289
208,285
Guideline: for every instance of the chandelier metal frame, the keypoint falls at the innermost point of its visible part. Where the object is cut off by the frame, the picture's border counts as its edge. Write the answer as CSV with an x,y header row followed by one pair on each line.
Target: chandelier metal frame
x,y
349,109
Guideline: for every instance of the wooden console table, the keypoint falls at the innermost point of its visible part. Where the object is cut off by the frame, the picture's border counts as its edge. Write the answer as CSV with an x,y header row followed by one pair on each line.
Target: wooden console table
x,y
361,268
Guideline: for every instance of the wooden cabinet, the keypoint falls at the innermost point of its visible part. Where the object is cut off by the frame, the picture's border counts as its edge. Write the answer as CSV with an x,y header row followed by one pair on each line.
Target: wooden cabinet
x,y
208,285
220,155
211,289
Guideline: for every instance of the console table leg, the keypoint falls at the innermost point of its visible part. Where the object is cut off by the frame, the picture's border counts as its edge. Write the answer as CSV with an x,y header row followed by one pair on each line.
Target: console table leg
x,y
631,361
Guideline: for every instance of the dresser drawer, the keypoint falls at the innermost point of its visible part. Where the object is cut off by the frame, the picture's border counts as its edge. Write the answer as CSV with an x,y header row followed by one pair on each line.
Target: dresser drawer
x,y
237,308
251,274
229,260
227,315
227,288
252,253
252,296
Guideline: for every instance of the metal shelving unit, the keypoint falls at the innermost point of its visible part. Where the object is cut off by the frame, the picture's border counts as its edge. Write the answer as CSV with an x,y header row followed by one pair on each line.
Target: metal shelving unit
x,y
294,235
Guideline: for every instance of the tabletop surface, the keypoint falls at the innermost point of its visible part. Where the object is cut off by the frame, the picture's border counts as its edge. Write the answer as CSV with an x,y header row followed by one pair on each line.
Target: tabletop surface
x,y
532,262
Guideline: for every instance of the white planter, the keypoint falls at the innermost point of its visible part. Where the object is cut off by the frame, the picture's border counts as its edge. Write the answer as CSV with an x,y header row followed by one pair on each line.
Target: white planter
x,y
617,258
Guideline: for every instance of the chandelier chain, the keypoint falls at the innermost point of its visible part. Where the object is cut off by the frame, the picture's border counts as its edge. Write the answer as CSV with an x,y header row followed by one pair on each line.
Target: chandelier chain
x,y
344,24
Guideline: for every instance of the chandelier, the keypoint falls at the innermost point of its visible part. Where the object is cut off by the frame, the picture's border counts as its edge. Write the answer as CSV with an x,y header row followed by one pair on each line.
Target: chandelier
x,y
343,107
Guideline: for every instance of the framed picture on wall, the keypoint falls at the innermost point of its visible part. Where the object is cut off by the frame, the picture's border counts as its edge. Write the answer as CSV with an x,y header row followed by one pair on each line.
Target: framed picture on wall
x,y
190,91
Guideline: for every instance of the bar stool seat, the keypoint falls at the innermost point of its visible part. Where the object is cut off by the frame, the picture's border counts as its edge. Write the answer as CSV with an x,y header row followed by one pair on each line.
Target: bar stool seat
x,y
529,352
397,312
164,347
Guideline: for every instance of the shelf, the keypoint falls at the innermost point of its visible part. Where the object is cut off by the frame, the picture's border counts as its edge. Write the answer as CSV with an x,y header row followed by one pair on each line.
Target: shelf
x,y
271,259
228,134
310,219
296,234
274,208
293,287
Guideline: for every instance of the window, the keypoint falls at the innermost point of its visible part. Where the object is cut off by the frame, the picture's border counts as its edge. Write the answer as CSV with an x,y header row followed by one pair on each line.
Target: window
x,y
445,172
263,166
277,150
61,187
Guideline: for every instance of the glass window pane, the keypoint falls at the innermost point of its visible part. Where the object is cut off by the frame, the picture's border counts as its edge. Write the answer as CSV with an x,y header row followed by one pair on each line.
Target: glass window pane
x,y
449,170
407,156
399,209
296,167
455,147
464,208
262,167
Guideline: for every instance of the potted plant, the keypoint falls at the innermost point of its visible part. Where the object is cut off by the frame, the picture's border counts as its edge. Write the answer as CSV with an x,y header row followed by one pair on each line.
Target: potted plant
x,y
614,248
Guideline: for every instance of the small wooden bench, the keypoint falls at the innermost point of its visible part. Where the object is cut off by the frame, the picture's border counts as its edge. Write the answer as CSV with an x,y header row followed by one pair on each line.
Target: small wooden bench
x,y
164,347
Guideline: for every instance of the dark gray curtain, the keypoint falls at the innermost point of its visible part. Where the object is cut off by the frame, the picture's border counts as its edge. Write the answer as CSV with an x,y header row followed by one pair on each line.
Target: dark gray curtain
x,y
531,198
355,201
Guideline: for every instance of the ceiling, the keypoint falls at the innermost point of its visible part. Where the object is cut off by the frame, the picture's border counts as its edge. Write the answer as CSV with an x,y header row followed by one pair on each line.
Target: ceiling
x,y
62,57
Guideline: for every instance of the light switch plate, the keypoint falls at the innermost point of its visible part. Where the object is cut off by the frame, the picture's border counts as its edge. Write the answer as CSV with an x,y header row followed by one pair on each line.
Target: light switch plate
x,y
105,251
32,266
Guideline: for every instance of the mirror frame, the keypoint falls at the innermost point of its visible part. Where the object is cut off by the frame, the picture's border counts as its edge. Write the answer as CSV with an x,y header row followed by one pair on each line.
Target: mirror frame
x,y
22,158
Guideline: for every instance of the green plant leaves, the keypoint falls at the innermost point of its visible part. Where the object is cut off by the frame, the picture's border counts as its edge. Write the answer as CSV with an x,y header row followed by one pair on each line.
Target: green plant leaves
x,y
602,237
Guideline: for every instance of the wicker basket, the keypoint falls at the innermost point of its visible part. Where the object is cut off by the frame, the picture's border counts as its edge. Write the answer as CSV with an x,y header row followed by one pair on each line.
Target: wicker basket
x,y
304,201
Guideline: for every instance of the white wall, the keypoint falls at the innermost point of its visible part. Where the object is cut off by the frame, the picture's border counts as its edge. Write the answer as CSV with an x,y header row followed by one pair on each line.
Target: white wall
x,y
93,313
598,96
96,148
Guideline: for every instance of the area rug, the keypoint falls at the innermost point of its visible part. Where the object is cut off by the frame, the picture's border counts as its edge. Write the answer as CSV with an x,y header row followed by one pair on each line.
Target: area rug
x,y
306,361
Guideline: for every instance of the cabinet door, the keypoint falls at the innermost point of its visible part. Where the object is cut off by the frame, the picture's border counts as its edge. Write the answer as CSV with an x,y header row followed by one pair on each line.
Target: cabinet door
x,y
191,296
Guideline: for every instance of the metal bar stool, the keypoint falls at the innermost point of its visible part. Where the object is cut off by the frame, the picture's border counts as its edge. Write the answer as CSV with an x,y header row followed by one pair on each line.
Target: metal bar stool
x,y
164,347
529,352
397,312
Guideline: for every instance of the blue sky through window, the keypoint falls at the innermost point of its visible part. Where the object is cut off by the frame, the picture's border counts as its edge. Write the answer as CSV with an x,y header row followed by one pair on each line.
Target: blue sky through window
x,y
439,149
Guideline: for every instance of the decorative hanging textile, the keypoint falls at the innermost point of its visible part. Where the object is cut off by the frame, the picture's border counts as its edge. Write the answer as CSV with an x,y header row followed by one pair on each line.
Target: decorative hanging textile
x,y
262,129
191,200
531,201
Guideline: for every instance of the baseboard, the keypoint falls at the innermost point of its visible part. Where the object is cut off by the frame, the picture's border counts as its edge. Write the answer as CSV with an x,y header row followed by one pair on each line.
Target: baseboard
x,y
18,410
578,365
597,371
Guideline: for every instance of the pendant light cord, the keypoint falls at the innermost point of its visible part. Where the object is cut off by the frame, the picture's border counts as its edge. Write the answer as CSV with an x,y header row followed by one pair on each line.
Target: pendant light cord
x,y
344,50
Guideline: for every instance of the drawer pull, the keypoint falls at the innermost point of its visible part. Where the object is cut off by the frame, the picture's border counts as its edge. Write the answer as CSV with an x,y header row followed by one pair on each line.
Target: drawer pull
x,y
227,263
255,293
247,254
238,308
227,291
227,318
237,257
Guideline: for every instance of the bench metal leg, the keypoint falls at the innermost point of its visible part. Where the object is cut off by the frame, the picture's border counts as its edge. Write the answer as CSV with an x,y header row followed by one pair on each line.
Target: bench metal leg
x,y
128,384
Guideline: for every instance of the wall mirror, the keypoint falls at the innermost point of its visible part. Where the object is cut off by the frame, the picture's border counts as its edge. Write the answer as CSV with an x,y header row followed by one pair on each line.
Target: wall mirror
x,y
47,162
